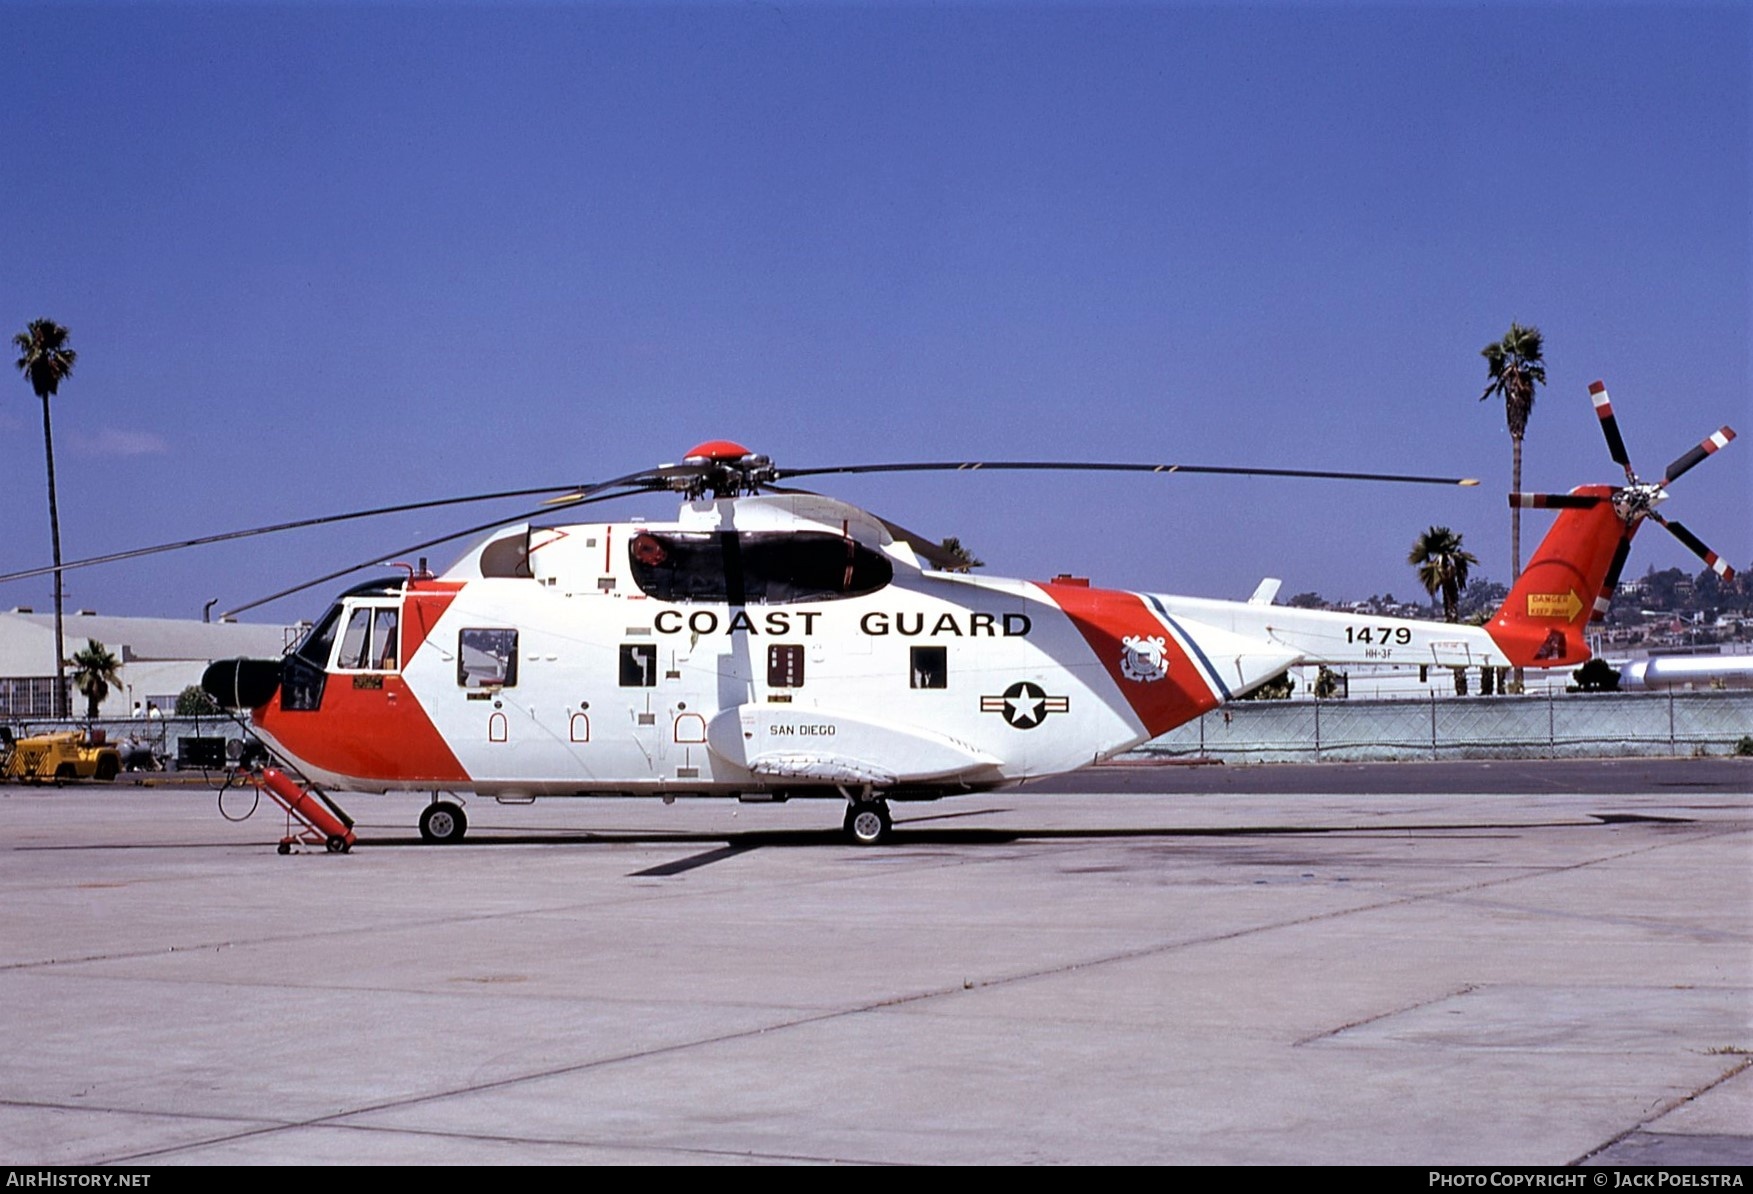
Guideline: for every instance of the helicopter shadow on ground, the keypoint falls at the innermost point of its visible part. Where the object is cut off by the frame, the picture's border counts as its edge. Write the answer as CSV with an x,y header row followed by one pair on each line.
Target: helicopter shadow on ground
x,y
915,834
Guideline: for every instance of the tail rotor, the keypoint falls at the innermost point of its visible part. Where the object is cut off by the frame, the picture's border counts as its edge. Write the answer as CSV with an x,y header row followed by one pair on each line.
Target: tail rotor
x,y
1637,499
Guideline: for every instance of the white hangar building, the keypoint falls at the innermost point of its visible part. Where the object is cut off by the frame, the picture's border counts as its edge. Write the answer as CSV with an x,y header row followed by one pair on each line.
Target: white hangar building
x,y
160,657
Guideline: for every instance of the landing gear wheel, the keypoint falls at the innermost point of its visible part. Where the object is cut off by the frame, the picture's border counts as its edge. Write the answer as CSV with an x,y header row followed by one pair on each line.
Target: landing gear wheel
x,y
336,844
443,823
867,822
284,848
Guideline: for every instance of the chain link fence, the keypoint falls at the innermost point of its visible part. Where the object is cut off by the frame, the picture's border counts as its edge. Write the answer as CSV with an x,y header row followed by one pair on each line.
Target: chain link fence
x,y
1597,725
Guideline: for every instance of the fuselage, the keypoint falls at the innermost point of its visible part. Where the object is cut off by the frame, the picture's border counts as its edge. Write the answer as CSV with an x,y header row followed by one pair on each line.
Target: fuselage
x,y
784,644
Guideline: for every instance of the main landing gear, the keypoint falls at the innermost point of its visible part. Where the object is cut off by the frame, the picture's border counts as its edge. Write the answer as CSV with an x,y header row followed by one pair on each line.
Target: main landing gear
x,y
443,823
867,821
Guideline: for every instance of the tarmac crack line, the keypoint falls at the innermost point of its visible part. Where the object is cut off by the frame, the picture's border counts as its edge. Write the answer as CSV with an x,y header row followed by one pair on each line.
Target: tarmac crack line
x,y
1662,1110
1386,1014
1647,924
594,907
629,1146
211,1116
1523,875
337,1118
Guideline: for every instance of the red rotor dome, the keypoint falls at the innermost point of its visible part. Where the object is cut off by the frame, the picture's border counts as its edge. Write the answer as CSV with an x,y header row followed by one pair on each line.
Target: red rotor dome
x,y
717,450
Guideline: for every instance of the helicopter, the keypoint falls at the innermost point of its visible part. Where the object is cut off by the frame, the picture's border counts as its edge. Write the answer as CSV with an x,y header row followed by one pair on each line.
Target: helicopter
x,y
771,643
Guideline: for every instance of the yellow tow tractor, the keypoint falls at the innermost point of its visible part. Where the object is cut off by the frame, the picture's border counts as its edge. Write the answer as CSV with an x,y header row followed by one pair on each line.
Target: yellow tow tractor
x,y
70,754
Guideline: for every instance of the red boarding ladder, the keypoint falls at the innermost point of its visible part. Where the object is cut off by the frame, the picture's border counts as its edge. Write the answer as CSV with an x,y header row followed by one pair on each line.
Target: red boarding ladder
x,y
324,824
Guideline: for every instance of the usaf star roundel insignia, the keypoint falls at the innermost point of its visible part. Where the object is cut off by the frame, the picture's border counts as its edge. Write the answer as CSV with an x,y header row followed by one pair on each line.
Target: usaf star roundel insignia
x,y
1024,705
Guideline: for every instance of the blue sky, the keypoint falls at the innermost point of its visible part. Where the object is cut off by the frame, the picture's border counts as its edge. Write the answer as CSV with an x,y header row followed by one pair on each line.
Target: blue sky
x,y
322,256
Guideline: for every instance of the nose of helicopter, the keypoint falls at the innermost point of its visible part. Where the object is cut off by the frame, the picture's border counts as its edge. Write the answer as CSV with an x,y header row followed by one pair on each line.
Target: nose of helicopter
x,y
242,683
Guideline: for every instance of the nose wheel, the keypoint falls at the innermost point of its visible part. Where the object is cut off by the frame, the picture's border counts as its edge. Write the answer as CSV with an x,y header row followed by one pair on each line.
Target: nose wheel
x,y
867,822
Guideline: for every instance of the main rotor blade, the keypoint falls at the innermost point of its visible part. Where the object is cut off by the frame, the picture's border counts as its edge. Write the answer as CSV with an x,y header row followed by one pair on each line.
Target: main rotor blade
x,y
1110,467
414,547
1697,546
1710,445
1610,427
645,478
1554,501
274,528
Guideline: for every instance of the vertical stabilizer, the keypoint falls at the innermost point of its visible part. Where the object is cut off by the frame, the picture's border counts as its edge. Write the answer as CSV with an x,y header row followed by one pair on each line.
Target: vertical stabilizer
x,y
1542,622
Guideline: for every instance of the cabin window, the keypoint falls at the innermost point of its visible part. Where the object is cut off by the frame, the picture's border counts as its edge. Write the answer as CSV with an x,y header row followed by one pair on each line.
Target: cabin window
x,y
929,667
486,658
755,567
638,665
785,665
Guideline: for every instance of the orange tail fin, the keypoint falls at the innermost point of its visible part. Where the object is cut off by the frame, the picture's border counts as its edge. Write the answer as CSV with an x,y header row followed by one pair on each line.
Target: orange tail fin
x,y
1542,622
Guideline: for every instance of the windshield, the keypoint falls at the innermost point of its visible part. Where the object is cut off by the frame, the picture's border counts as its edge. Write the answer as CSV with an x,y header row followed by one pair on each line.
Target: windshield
x,y
315,646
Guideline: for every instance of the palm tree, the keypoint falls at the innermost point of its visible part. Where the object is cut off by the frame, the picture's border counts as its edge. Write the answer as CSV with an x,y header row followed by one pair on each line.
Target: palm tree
x,y
1516,367
1443,565
964,559
95,672
45,360
1278,688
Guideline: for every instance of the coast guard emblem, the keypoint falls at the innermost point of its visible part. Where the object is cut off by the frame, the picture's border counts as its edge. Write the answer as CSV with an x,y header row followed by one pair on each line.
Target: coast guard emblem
x,y
1144,659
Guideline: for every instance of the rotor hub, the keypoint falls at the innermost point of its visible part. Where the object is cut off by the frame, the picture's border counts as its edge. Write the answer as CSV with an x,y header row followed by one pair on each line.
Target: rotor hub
x,y
1637,500
724,469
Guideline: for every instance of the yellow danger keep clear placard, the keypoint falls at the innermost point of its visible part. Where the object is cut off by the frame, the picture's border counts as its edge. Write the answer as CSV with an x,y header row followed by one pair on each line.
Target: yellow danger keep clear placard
x,y
1564,606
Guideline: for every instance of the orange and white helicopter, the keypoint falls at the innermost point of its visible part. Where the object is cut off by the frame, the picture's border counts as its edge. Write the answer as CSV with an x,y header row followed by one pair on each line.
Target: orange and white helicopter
x,y
771,643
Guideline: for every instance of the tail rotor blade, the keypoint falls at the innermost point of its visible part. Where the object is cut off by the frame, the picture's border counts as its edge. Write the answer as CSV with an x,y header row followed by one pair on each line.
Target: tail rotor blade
x,y
1604,600
1710,445
1697,547
1610,426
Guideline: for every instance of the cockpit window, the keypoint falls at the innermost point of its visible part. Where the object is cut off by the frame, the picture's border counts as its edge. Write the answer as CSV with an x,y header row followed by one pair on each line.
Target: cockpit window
x,y
304,672
369,642
383,641
355,640
755,567
321,639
